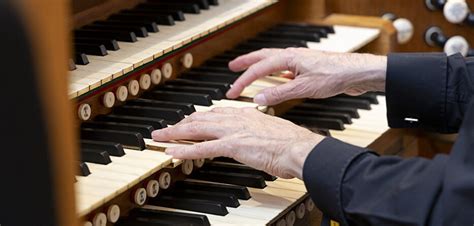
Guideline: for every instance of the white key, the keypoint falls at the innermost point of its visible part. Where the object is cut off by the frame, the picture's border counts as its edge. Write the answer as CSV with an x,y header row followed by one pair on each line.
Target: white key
x,y
339,42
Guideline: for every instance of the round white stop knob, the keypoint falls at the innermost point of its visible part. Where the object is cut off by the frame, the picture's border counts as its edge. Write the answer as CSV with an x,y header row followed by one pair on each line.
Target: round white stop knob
x,y
187,167
187,60
300,211
156,76
309,205
108,100
113,213
100,219
139,197
405,30
84,112
87,223
281,222
121,93
145,81
456,11
133,87
167,70
290,218
456,44
198,163
165,180
152,188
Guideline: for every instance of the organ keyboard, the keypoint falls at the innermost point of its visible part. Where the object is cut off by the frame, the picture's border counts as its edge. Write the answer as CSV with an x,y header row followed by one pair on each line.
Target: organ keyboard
x,y
149,66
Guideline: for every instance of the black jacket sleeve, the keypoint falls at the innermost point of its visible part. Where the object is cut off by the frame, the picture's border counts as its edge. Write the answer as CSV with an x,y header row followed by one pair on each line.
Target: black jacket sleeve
x,y
356,187
428,91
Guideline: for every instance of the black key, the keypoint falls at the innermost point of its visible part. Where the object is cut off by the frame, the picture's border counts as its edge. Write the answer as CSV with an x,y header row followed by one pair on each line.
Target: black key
x,y
206,68
185,107
343,102
95,156
194,98
150,25
371,97
159,19
320,107
291,35
197,205
328,29
283,41
172,116
114,149
214,70
241,192
72,65
185,7
169,216
203,4
324,123
236,168
140,31
223,87
127,139
155,122
217,62
81,59
177,15
261,43
209,78
320,31
118,35
244,179
345,118
83,169
226,159
215,93
213,2
227,199
110,44
250,47
227,75
144,130
91,49
131,221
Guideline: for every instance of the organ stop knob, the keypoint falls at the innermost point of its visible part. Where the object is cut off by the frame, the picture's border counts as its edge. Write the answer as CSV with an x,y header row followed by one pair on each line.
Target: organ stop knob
x,y
156,76
457,44
456,11
404,27
121,93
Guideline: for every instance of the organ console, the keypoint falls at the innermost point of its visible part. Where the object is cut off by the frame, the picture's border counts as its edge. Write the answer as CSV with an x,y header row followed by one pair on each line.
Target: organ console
x,y
141,65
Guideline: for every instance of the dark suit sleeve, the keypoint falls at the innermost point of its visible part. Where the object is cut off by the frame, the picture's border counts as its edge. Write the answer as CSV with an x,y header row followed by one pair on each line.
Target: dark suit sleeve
x,y
429,91
354,186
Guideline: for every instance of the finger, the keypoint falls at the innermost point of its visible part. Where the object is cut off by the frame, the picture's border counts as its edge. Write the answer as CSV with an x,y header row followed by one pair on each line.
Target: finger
x,y
208,116
256,71
245,61
281,93
208,149
227,110
190,131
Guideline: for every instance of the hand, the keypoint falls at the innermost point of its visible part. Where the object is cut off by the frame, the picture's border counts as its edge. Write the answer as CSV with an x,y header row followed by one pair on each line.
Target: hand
x,y
316,74
264,142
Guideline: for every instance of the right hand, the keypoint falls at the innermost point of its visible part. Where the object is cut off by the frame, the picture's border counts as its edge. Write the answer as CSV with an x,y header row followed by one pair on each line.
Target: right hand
x,y
316,74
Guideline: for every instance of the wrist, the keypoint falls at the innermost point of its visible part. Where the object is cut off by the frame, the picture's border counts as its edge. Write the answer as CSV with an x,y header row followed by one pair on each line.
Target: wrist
x,y
299,152
370,74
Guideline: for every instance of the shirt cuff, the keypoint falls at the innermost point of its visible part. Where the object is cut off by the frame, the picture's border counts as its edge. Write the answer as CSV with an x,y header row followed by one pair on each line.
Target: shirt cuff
x,y
416,90
323,172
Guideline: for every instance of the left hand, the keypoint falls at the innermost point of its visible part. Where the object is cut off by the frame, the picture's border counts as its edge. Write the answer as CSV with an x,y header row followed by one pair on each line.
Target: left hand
x,y
264,142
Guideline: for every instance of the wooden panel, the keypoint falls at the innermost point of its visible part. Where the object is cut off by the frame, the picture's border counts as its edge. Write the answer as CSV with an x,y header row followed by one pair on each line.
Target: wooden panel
x,y
47,25
414,10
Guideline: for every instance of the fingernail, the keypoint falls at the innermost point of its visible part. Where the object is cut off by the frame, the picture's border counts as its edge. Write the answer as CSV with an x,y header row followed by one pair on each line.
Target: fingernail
x,y
260,99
